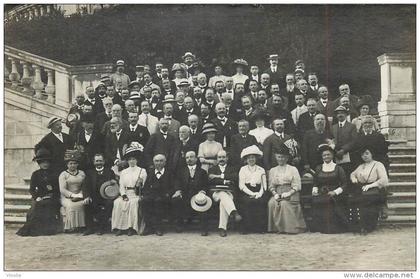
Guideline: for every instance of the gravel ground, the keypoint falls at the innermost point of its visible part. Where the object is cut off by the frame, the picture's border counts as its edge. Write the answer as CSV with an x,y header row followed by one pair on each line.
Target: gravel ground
x,y
388,248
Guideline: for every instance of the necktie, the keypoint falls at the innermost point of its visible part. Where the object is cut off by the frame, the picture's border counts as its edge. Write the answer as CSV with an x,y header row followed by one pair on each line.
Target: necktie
x,y
193,132
341,125
158,175
132,129
147,120
192,171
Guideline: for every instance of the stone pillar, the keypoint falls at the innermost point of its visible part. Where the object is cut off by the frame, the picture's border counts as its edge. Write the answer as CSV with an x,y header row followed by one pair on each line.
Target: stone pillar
x,y
397,107
37,84
14,76
62,89
36,13
48,9
50,88
41,10
26,79
6,70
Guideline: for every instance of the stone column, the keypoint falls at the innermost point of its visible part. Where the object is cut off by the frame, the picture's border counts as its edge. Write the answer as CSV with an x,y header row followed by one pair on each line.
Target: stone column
x,y
14,76
397,107
26,79
50,88
37,84
62,89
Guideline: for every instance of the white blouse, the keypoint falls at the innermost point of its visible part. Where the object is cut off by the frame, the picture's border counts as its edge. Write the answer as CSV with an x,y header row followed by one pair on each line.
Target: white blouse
x,y
281,175
129,176
378,176
261,134
252,175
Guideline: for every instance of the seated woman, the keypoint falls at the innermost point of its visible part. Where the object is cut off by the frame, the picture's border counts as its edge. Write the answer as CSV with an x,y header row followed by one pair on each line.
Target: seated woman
x,y
42,219
72,200
207,150
328,208
252,184
284,210
369,179
125,214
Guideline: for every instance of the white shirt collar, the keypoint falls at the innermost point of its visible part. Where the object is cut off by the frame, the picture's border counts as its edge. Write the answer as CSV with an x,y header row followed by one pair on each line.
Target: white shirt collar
x,y
133,126
279,134
342,123
193,167
222,168
328,167
161,172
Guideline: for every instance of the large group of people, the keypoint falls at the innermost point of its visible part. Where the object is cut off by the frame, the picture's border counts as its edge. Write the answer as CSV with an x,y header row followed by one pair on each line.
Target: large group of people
x,y
168,147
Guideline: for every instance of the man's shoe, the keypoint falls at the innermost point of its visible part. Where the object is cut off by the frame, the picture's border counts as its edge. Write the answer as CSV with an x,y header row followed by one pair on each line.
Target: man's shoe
x,y
205,233
88,232
222,233
159,233
118,232
234,215
131,232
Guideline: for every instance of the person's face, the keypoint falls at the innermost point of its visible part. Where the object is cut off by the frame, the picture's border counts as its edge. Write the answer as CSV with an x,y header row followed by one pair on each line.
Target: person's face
x,y
311,105
344,89
253,86
281,159
345,102
221,111
147,69
274,61
259,122
202,80
57,127
194,79
298,76
90,92
229,83
197,93
193,122
180,97
327,156
210,136
147,92
251,160
119,86
159,162
222,158
188,103
323,92
290,79
165,72
239,69
44,164
364,110
125,94
159,68
367,156
240,89
278,126
277,101
303,85
178,74
319,122
209,95
246,103
80,99
227,100
220,87
129,106
102,90
262,96
243,128
132,161
133,118
188,60
88,127
191,158
120,69
166,84
341,116
368,127
184,134
300,66
87,109
114,126
135,87
204,110
164,125
299,99
184,88
313,80
72,165
218,70
98,161
265,79
110,92
168,109
116,112
147,78
254,70
145,107
275,89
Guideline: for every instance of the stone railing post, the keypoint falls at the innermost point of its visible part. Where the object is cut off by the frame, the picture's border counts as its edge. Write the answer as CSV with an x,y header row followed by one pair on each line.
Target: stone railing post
x,y
6,70
14,76
397,108
50,88
26,79
37,84
62,88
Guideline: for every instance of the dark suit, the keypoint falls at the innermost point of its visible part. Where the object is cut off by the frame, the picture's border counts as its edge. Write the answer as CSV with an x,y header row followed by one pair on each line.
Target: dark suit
x,y
140,135
238,143
290,127
271,144
95,145
57,149
305,123
157,144
225,132
246,85
191,145
290,95
327,110
277,77
345,139
231,173
309,147
97,107
107,127
101,119
100,208
113,145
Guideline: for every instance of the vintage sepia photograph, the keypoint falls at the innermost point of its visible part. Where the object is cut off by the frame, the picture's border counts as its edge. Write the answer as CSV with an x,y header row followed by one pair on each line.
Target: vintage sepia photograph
x,y
210,137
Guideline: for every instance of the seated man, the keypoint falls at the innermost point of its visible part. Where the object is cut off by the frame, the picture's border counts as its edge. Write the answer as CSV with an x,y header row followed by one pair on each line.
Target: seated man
x,y
239,142
99,209
223,180
157,192
190,181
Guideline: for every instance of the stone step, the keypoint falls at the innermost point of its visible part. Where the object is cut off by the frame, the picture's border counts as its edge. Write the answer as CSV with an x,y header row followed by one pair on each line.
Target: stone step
x,y
27,180
17,199
16,207
402,150
17,189
14,220
402,187
402,197
402,167
403,219
402,158
402,176
401,209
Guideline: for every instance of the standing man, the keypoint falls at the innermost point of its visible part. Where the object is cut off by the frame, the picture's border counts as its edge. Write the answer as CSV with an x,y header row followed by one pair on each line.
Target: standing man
x,y
174,124
93,101
274,71
273,143
226,127
119,76
116,141
137,132
146,119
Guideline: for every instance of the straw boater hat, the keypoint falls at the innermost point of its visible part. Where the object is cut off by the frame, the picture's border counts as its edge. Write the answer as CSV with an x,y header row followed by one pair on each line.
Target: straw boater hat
x,y
105,78
273,56
120,63
184,82
340,108
72,155
109,190
134,95
368,119
188,54
53,120
298,62
73,117
251,150
208,127
299,70
42,154
201,202
169,99
240,62
134,82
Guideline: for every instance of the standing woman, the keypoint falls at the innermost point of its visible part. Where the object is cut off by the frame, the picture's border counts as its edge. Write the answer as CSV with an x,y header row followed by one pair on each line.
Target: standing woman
x,y
72,200
369,180
252,184
364,109
240,77
42,219
125,214
328,201
207,150
284,210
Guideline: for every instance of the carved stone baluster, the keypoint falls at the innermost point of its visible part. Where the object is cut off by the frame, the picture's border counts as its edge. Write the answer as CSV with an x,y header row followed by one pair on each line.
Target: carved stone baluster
x,y
36,13
26,79
50,88
41,10
48,9
6,70
14,76
37,84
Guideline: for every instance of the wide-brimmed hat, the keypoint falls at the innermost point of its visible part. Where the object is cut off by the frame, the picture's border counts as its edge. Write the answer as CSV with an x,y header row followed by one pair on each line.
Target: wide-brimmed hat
x,y
42,154
273,56
72,155
188,54
240,62
139,68
73,117
179,67
341,108
169,99
133,150
109,190
208,127
201,202
100,84
134,82
323,147
251,150
368,119
134,95
299,70
104,78
184,82
120,63
53,120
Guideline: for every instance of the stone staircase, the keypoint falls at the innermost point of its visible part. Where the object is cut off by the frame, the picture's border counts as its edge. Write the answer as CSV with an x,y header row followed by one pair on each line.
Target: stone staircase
x,y
401,204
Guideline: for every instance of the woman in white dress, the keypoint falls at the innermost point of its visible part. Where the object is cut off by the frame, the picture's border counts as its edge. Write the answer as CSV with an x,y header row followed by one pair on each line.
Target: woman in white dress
x,y
261,132
240,77
207,150
125,214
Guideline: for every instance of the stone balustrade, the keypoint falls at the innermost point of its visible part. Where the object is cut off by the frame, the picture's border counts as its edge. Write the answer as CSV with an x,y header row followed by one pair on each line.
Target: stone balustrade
x,y
42,78
29,11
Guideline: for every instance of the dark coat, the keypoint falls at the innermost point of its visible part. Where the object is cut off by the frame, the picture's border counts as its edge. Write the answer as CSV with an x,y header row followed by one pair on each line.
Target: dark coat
x,y
290,127
40,182
94,180
112,145
97,107
191,186
309,147
271,144
305,123
191,145
101,119
162,188
277,77
95,145
140,135
238,143
231,173
57,149
157,144
225,131
345,138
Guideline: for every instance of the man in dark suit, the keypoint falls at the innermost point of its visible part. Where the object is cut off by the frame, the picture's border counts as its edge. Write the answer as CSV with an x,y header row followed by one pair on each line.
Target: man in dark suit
x,y
239,142
116,111
195,129
162,143
157,77
99,208
351,112
137,132
206,114
173,128
265,84
189,109
191,179
274,70
303,89
226,127
253,91
186,143
104,116
210,98
313,84
255,75
198,97
223,182
167,87
273,143
324,104
157,192
56,142
247,111
276,111
116,141
93,101
344,90
306,120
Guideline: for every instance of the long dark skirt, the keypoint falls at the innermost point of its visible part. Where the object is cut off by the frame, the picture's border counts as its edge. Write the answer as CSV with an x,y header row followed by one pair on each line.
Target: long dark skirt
x,y
254,213
364,211
329,214
42,219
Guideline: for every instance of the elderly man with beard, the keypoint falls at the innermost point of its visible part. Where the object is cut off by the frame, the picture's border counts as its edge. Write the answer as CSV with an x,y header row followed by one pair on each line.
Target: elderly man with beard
x,y
116,141
311,140
276,111
116,111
